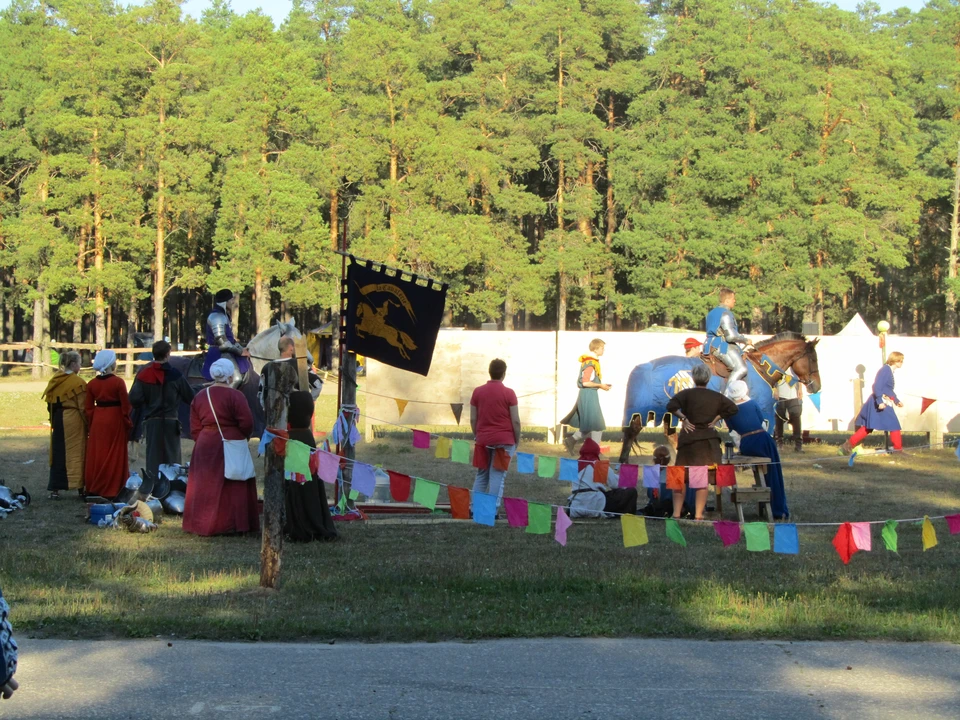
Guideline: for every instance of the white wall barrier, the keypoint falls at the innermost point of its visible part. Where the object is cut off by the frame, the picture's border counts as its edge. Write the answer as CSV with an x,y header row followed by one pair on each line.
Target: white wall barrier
x,y
542,368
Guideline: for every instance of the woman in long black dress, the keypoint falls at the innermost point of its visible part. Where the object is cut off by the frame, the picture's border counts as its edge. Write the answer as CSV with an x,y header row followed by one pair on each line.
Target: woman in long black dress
x,y
308,515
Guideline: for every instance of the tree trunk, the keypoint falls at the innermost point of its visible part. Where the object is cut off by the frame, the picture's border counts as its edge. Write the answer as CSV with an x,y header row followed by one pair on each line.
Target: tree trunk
x,y
132,317
608,285
951,319
41,333
261,299
334,219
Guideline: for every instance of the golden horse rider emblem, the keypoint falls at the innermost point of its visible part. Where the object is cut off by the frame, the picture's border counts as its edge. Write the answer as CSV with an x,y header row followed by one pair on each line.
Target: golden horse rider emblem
x,y
373,320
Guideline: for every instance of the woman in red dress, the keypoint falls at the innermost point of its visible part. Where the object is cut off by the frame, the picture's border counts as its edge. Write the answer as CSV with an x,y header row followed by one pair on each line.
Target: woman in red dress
x,y
215,505
108,419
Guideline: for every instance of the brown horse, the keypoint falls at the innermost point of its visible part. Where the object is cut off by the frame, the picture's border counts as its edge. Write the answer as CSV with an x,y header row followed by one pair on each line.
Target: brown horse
x,y
770,358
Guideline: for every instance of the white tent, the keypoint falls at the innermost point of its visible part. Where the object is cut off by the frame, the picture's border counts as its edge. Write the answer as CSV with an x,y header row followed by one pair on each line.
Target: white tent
x,y
856,328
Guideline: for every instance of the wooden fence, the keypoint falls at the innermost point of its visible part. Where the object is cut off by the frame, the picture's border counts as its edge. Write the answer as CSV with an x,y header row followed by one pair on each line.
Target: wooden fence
x,y
125,356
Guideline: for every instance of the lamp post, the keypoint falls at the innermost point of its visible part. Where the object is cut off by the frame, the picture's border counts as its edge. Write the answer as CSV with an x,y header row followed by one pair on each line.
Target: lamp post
x,y
882,328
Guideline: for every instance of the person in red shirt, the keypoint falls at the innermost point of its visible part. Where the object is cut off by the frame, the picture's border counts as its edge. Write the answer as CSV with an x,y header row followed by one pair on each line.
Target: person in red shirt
x,y
495,421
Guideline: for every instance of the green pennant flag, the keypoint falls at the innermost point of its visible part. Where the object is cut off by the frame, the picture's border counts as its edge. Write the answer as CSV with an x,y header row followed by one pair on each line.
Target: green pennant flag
x,y
425,493
547,467
758,536
354,494
889,535
674,532
538,519
460,452
342,505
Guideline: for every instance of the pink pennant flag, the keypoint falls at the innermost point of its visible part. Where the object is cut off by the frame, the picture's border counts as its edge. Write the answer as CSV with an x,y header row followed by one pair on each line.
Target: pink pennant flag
x,y
728,532
328,466
421,440
516,508
563,522
861,536
628,475
698,476
953,523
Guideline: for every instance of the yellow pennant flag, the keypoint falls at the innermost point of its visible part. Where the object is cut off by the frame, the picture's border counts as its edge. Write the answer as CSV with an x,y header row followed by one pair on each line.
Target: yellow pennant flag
x,y
443,448
634,530
929,534
401,405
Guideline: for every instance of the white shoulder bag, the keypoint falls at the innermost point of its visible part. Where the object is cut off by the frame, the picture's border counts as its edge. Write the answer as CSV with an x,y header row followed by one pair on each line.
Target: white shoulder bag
x,y
237,462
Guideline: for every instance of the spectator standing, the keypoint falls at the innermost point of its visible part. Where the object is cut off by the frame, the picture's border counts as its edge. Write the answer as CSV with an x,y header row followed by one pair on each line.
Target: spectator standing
x,y
307,514
108,420
586,416
214,504
65,396
495,421
789,409
288,354
157,393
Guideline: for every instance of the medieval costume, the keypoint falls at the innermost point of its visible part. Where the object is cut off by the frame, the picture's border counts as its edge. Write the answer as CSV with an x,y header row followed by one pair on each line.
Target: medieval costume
x,y
307,512
215,505
65,398
878,413
722,339
593,499
220,339
316,382
108,420
586,416
700,405
156,395
756,441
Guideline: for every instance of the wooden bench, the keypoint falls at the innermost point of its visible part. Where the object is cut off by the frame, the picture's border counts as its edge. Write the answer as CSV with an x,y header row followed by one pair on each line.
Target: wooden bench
x,y
759,493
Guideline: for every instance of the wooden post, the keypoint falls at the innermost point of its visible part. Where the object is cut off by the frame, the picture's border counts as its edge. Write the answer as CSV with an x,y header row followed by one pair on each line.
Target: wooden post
x,y
348,404
300,346
279,383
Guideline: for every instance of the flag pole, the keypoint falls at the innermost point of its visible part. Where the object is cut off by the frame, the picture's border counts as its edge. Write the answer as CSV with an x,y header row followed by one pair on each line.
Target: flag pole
x,y
346,379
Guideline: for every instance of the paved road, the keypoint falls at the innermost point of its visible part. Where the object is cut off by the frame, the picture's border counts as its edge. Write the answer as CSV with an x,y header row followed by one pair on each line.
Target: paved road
x,y
552,679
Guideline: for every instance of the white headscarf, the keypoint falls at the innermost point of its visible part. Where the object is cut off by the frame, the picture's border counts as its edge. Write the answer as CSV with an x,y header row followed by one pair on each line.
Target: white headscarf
x,y
104,360
737,390
222,371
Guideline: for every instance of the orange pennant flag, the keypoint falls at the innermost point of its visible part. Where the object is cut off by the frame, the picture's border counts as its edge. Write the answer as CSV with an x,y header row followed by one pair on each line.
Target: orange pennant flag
x,y
600,471
401,406
459,502
675,477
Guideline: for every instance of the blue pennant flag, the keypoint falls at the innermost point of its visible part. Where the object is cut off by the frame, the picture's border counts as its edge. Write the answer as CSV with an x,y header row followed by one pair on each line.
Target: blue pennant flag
x,y
815,399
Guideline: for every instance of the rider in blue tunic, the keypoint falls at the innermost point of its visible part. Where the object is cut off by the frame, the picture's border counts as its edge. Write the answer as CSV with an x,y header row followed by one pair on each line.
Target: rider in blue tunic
x,y
220,339
723,336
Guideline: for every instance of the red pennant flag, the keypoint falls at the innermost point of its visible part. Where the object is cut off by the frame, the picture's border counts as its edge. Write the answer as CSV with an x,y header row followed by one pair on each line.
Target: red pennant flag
x,y
844,543
501,459
399,486
726,476
459,502
925,403
481,458
600,471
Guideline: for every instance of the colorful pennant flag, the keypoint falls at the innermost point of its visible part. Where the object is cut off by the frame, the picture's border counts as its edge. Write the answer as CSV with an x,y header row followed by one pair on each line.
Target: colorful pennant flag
x,y
401,406
421,440
728,532
861,536
481,456
353,495
399,486
516,512
844,544
651,477
928,534
457,410
563,522
364,479
568,470
785,539
957,453
525,463
328,466
815,399
265,438
699,476
953,523
853,455
675,477
889,535
726,476
459,502
426,492
501,459
925,403
442,450
628,475
674,533
460,452
296,463
600,471
547,466
538,519
484,508
634,529
758,536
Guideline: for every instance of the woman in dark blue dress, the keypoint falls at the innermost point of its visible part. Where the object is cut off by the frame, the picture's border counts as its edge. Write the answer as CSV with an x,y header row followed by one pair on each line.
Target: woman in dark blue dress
x,y
877,412
756,441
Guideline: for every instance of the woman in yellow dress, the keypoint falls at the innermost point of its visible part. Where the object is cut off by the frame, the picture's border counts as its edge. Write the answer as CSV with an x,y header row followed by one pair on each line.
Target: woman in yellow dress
x,y
65,397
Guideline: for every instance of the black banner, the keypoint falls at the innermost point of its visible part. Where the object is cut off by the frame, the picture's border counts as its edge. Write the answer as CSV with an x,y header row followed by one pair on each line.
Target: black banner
x,y
391,319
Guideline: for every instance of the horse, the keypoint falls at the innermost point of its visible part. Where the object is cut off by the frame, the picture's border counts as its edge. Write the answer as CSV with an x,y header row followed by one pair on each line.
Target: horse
x,y
652,385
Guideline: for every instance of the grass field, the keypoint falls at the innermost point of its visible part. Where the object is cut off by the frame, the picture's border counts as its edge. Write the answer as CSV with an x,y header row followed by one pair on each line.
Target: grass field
x,y
430,578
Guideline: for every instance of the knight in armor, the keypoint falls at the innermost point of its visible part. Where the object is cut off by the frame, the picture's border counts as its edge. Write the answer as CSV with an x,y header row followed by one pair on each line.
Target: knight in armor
x,y
724,339
220,339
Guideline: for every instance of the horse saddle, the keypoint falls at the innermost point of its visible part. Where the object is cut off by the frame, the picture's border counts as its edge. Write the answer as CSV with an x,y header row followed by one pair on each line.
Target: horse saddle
x,y
719,369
